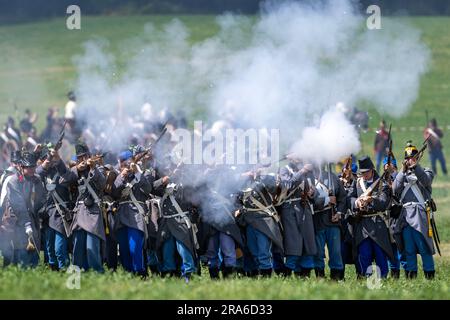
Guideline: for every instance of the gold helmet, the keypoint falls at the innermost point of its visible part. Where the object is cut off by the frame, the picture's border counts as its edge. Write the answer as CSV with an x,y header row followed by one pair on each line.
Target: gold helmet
x,y
410,150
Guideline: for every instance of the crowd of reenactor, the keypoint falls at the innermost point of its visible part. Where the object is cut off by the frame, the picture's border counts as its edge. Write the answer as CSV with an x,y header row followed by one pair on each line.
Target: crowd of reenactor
x,y
170,220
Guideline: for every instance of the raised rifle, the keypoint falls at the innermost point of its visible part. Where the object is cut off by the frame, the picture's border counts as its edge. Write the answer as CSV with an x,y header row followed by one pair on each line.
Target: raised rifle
x,y
149,150
418,155
50,149
347,175
331,192
96,159
387,172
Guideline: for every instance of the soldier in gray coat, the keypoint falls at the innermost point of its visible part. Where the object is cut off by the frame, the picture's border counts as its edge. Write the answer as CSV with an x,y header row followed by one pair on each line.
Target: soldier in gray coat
x,y
223,235
5,232
261,221
131,189
370,231
330,208
56,178
295,203
88,226
25,203
412,186
177,227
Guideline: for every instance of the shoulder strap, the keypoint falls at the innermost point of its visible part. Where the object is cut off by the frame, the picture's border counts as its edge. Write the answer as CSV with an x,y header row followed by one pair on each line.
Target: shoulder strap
x,y
362,184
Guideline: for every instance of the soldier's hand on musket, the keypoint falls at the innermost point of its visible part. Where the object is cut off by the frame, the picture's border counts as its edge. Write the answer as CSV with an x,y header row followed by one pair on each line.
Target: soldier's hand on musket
x,y
337,217
82,166
91,163
133,167
38,148
165,180
46,163
412,162
237,213
125,172
333,200
404,166
54,155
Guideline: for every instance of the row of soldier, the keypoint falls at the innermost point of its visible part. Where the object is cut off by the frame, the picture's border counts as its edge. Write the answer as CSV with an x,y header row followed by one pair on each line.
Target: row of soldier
x,y
171,219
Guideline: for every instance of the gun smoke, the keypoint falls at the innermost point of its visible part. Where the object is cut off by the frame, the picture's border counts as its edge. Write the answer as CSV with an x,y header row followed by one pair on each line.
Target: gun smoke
x,y
285,70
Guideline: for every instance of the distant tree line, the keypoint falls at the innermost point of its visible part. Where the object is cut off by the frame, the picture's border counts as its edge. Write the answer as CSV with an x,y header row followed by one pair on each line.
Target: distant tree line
x,y
28,10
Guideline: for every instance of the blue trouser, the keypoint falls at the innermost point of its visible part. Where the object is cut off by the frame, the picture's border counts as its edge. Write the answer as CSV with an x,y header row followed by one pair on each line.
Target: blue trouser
x,y
227,247
86,250
398,261
25,258
367,249
131,248
260,247
331,236
415,244
437,155
57,248
168,254
297,263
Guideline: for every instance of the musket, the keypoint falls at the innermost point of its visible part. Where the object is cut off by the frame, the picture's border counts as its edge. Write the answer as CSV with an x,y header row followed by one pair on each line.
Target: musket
x,y
419,154
58,143
331,191
347,171
96,158
141,155
390,155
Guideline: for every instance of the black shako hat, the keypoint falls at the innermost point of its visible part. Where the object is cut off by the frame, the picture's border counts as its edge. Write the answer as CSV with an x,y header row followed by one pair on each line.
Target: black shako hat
x,y
81,149
28,159
16,156
365,164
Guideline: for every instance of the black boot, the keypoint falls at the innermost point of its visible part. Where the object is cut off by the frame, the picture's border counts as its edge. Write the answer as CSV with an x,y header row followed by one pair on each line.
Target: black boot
x,y
280,271
252,274
187,277
336,274
266,273
214,273
320,273
154,270
411,274
168,274
429,275
142,274
54,267
305,273
395,274
287,273
228,272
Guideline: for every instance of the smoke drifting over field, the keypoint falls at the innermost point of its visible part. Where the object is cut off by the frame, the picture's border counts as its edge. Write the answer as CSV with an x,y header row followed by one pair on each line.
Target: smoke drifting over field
x,y
283,70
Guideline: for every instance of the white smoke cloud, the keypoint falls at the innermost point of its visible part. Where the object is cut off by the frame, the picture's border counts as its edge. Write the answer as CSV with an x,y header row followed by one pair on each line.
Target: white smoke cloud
x,y
333,139
280,71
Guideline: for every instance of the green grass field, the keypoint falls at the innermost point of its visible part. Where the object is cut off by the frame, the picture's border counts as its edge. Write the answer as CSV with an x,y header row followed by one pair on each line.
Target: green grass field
x,y
36,71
